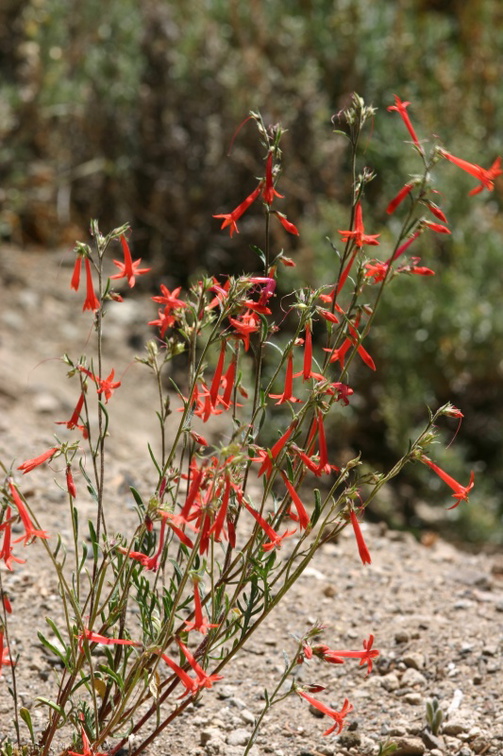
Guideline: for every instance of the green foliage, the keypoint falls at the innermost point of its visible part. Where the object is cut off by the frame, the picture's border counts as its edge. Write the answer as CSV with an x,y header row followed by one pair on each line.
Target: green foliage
x,y
95,120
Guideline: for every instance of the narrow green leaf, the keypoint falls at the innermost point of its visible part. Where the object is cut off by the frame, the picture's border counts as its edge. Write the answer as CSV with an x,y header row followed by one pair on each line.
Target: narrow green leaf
x,y
52,705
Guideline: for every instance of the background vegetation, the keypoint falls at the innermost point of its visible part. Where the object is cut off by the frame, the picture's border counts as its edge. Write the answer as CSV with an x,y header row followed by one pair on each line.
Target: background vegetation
x,y
125,111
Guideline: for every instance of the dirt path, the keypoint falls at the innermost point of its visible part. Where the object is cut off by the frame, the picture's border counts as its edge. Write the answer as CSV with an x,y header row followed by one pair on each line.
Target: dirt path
x,y
436,613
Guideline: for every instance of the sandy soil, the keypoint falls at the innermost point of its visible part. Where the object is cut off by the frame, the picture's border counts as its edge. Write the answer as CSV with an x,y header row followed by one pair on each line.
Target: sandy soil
x,y
436,612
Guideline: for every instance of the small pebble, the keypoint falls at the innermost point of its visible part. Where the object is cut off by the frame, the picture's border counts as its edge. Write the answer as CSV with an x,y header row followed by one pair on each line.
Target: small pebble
x,y
414,699
409,747
412,678
239,737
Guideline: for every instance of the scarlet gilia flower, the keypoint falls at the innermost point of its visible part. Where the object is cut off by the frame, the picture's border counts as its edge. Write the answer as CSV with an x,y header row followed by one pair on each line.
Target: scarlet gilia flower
x,y
399,198
91,301
266,187
287,395
332,656
92,637
6,603
436,211
339,354
70,483
438,227
266,292
268,457
460,492
269,192
30,531
358,234
4,654
302,516
337,716
86,747
129,269
360,541
191,686
199,623
6,551
73,422
230,219
217,376
275,538
403,248
168,317
203,679
401,107
247,324
486,176
170,299
30,464
149,562
104,386
317,464
75,282
287,225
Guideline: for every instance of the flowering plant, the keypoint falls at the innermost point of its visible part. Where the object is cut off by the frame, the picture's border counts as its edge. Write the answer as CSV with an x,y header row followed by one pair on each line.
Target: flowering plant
x,y
229,524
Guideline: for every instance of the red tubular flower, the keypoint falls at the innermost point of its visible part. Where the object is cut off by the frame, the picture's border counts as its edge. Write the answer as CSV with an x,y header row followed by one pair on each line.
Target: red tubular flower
x,y
358,233
149,562
287,225
203,679
75,282
275,538
230,219
287,395
6,551
399,198
6,603
486,176
91,301
401,108
200,623
92,637
302,515
191,685
336,657
70,483
403,248
4,654
105,386
437,212
308,353
460,492
276,449
249,323
86,747
269,192
215,384
129,269
360,541
218,526
170,299
74,420
30,464
337,716
438,227
229,378
30,531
